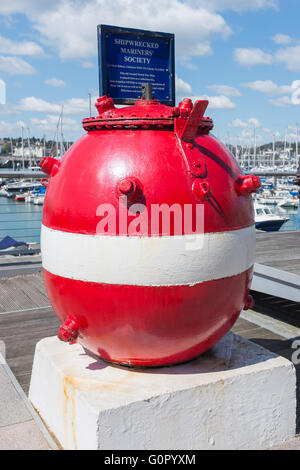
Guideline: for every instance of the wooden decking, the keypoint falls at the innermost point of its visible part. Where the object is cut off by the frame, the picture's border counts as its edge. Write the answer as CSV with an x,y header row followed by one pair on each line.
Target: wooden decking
x,y
26,316
280,250
22,292
21,332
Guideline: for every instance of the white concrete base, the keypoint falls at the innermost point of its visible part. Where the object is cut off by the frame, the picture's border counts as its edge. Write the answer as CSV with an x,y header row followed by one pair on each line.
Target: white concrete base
x,y
236,396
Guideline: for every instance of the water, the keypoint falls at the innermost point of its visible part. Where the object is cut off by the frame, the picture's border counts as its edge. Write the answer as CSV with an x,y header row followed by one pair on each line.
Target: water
x,y
20,220
292,214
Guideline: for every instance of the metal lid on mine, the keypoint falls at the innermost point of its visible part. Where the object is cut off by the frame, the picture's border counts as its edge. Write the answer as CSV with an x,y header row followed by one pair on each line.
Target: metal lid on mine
x,y
144,114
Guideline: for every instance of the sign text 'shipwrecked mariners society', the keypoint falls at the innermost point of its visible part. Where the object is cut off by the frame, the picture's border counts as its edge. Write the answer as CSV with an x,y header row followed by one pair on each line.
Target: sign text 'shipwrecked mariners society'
x,y
130,57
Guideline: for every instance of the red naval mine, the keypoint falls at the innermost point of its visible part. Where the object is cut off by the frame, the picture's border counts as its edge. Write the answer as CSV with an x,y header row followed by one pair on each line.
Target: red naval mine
x,y
131,286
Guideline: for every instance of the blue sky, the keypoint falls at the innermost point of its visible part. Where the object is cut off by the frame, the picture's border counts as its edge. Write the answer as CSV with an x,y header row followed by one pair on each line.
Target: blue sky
x,y
244,55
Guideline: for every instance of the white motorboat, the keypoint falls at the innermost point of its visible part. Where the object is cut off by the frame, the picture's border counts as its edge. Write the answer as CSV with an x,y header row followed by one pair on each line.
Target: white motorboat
x,y
291,201
11,189
267,220
39,200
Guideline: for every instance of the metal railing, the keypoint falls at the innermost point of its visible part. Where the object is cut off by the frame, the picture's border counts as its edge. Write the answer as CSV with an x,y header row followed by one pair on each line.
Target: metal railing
x,y
21,174
22,222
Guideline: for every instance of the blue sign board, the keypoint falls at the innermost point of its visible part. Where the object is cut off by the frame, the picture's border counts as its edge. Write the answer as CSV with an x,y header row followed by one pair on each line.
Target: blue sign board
x,y
129,58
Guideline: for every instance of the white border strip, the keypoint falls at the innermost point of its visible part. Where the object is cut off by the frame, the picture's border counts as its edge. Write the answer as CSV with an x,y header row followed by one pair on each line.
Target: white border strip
x,y
148,261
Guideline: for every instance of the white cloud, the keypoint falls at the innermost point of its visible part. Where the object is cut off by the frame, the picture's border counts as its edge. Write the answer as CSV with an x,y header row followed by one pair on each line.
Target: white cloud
x,y
28,7
69,25
239,5
254,122
282,39
251,122
182,88
78,106
263,86
34,7
75,39
7,109
15,66
50,123
6,128
55,82
246,136
2,92
225,90
71,106
268,87
38,105
21,124
215,102
290,56
282,102
252,56
238,123
87,64
19,48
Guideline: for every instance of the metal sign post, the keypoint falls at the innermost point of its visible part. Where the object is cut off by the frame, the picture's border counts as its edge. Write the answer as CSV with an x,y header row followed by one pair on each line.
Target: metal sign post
x,y
131,58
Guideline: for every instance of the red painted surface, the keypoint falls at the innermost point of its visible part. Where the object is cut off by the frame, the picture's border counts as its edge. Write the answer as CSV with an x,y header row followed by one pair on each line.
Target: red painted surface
x,y
149,325
153,154
19,198
49,164
247,184
69,330
165,166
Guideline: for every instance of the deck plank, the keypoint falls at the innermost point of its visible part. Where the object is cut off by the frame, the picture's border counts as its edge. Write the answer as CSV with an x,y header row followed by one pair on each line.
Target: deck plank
x,y
279,250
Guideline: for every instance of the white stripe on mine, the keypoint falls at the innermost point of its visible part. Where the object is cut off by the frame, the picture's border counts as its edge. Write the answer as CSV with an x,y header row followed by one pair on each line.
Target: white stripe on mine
x,y
148,261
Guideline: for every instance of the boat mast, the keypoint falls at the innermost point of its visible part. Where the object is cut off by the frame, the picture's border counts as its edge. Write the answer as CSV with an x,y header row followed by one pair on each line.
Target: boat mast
x,y
297,131
29,147
285,140
249,150
23,147
254,130
61,132
273,151
11,153
44,145
57,130
90,104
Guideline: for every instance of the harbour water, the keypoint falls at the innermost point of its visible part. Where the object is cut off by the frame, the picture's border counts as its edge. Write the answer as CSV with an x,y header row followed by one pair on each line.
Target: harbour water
x,y
22,221
19,220
291,214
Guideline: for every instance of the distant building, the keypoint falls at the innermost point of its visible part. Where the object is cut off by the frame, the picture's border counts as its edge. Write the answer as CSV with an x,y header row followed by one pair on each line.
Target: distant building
x,y
36,151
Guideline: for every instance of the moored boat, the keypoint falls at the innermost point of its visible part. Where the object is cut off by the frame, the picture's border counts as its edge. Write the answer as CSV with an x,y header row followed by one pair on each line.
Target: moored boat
x,y
267,220
20,197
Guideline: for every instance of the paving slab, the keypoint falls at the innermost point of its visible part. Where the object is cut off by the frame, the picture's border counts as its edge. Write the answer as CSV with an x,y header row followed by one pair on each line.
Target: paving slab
x,y
12,408
20,426
22,436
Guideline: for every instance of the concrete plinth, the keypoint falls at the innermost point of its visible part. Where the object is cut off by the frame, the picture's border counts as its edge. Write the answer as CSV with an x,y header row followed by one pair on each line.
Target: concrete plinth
x,y
236,396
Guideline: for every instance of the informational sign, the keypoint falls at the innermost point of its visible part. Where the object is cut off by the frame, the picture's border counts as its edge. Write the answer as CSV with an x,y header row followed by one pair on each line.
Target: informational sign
x,y
129,58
